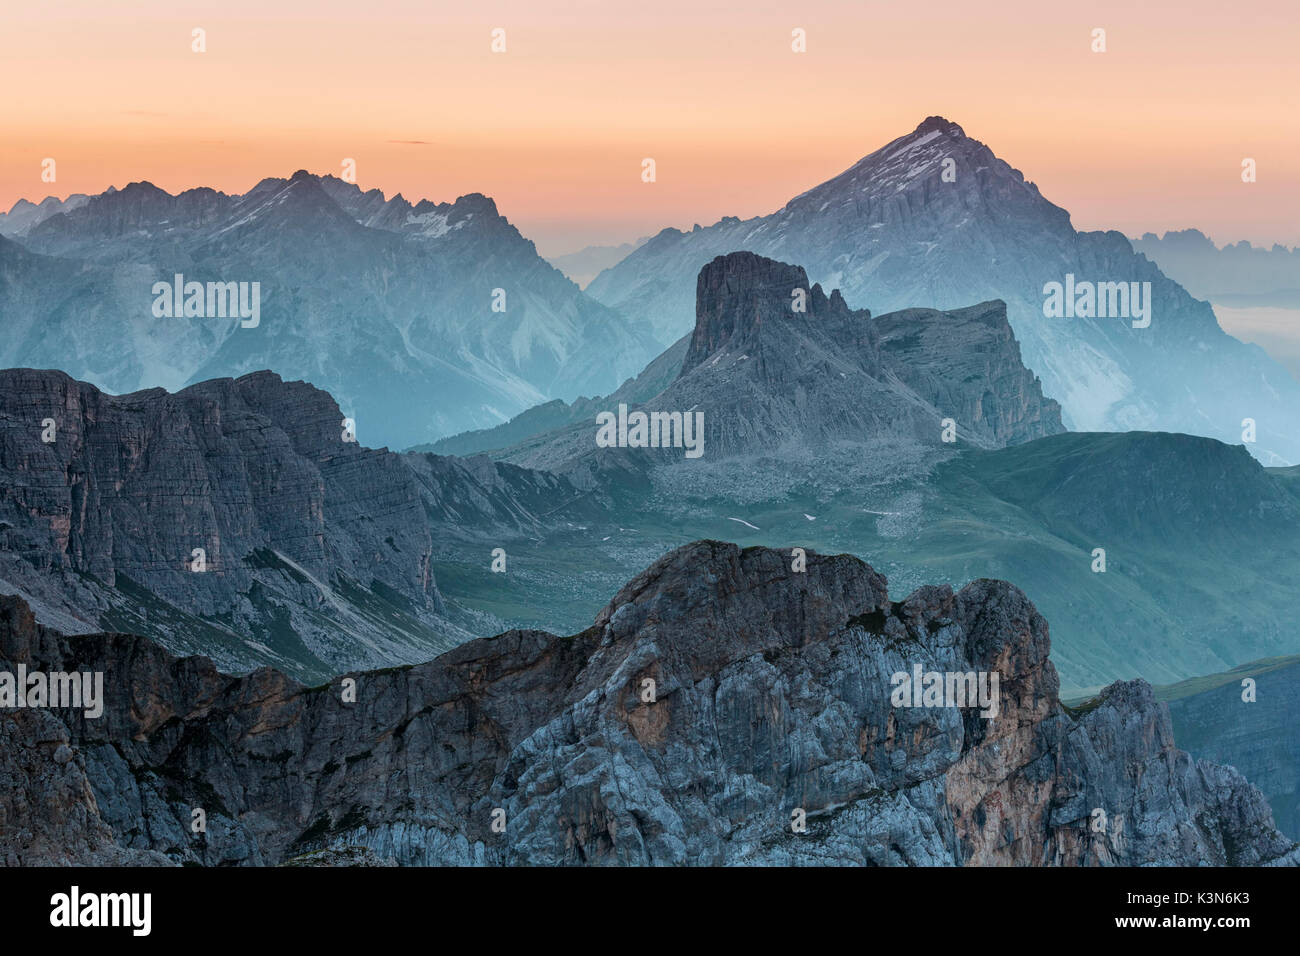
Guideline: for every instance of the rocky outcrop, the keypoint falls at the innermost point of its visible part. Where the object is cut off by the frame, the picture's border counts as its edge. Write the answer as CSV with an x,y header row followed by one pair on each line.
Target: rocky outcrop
x,y
776,363
49,815
770,703
966,362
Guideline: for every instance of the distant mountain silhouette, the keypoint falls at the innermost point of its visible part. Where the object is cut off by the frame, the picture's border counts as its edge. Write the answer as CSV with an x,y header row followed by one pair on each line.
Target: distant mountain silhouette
x,y
392,307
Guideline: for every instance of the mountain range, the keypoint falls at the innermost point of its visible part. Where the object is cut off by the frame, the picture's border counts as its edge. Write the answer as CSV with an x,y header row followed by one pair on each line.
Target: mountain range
x,y
392,306
422,320
1239,273
935,219
204,510
25,214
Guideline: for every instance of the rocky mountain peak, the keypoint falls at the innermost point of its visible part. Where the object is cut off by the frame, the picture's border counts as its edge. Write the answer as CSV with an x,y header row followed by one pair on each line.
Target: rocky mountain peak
x,y
932,124
934,218
737,294
746,598
143,188
935,165
300,201
773,360
476,203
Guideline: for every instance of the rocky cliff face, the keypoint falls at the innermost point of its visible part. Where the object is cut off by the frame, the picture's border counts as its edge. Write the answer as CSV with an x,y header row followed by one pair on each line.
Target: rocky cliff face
x,y
967,362
231,518
771,695
771,373
317,552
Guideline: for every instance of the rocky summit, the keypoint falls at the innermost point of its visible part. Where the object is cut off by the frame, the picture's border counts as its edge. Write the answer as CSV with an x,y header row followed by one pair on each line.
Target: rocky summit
x,y
774,363
728,706
766,336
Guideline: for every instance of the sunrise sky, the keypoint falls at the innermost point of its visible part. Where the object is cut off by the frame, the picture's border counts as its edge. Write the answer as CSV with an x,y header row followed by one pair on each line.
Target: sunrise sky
x,y
1149,135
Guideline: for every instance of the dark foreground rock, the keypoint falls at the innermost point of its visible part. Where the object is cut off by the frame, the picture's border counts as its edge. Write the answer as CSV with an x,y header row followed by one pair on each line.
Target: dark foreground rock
x,y
772,694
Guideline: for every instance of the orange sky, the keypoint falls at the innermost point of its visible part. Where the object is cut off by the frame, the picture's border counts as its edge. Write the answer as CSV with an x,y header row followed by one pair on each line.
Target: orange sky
x,y
1147,136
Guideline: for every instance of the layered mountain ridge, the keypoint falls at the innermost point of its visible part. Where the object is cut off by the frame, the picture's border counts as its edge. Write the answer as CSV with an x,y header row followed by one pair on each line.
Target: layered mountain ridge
x,y
1235,274
26,215
422,319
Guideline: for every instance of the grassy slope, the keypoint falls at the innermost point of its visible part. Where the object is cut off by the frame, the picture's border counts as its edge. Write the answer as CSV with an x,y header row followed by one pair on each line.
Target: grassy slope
x,y
1195,581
